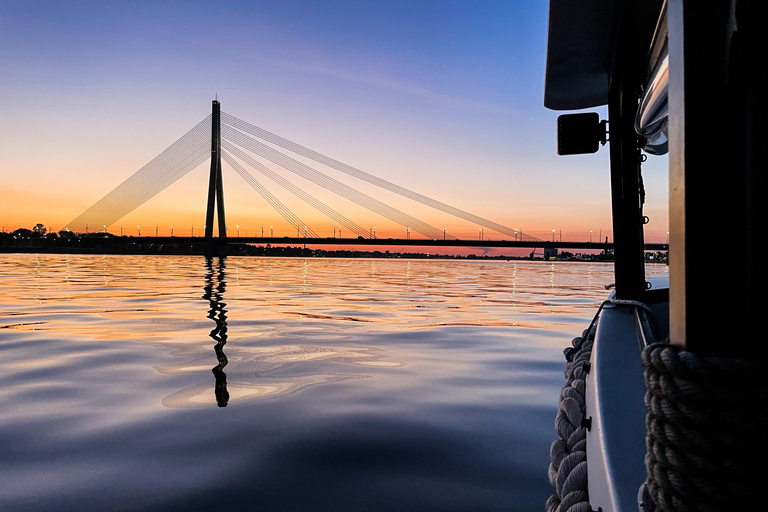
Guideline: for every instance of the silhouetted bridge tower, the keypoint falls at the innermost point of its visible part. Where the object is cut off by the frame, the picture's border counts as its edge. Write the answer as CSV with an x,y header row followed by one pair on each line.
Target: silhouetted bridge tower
x,y
215,184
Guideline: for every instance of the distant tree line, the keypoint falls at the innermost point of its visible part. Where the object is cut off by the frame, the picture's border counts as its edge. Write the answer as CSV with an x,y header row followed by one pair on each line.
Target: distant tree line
x,y
39,231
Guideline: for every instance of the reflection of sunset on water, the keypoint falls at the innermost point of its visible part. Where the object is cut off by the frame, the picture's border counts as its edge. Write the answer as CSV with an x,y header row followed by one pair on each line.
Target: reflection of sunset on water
x,y
125,365
327,305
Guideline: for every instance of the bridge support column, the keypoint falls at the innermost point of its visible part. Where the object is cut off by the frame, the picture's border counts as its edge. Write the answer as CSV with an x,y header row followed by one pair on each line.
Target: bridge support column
x,y
215,185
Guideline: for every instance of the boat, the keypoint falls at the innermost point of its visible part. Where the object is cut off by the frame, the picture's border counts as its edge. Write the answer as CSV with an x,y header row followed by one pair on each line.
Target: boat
x,y
664,406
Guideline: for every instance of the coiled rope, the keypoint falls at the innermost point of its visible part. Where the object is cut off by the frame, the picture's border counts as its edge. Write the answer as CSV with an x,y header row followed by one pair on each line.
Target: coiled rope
x,y
706,421
568,469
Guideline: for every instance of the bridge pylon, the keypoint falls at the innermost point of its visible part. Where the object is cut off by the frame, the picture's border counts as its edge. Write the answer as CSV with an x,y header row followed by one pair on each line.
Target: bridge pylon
x,y
215,185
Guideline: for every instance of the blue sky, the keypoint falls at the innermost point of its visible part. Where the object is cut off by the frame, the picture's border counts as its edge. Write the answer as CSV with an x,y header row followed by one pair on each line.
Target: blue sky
x,y
442,97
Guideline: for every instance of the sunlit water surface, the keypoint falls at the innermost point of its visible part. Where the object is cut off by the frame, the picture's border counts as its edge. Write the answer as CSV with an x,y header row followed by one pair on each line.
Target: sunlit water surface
x,y
176,383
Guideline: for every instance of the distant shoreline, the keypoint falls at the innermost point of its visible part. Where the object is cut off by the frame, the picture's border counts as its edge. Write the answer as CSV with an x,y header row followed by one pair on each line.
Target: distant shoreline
x,y
285,251
24,241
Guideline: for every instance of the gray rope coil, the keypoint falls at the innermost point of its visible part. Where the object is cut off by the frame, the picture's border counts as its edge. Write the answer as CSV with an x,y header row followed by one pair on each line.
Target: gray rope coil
x,y
706,421
568,469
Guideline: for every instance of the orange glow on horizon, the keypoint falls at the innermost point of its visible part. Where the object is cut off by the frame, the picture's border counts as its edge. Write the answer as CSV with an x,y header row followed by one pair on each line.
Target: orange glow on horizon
x,y
27,208
182,206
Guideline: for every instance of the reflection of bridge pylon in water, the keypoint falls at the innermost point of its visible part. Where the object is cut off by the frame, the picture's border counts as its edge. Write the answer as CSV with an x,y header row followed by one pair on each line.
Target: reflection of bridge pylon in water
x,y
218,314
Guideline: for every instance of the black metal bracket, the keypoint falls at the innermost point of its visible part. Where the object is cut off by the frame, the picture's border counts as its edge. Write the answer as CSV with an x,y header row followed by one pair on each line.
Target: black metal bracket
x,y
579,134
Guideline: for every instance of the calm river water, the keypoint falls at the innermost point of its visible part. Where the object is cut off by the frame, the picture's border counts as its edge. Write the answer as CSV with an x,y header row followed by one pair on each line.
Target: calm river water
x,y
180,383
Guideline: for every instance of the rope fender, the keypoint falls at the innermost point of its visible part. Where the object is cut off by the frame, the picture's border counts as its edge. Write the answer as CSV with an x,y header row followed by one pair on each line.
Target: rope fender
x,y
706,423
568,469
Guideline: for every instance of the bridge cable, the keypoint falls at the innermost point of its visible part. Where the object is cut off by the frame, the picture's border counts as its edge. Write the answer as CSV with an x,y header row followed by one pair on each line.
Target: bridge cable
x,y
97,215
136,192
295,190
173,174
192,139
267,195
334,185
150,173
155,176
364,176
329,183
188,152
346,192
178,150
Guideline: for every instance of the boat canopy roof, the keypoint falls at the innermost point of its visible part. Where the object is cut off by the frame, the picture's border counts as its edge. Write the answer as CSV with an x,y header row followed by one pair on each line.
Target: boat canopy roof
x,y
579,53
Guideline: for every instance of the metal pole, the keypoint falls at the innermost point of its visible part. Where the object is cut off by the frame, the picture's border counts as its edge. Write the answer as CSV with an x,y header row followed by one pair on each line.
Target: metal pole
x,y
626,202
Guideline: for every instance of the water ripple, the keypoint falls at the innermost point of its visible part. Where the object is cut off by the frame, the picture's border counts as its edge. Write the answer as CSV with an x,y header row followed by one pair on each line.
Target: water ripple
x,y
179,383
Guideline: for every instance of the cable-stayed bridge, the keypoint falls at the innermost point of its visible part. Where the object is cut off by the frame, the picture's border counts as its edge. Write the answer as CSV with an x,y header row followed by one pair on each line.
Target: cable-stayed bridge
x,y
223,137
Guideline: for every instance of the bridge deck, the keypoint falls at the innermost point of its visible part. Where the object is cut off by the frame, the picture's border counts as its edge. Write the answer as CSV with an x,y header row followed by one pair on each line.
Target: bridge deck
x,y
528,244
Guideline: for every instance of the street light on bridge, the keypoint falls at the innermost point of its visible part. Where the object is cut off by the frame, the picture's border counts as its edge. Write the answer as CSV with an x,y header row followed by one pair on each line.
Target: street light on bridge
x,y
271,234
171,229
139,228
238,231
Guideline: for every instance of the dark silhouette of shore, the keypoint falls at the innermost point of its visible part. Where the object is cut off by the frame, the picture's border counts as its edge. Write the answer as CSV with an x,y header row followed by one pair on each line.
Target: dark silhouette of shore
x,y
37,240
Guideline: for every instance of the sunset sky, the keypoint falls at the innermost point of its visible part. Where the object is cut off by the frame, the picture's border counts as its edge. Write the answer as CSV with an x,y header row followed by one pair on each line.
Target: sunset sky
x,y
444,98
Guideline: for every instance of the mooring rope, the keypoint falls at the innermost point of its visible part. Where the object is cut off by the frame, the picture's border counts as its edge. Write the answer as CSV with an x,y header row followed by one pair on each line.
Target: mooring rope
x,y
568,469
706,421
